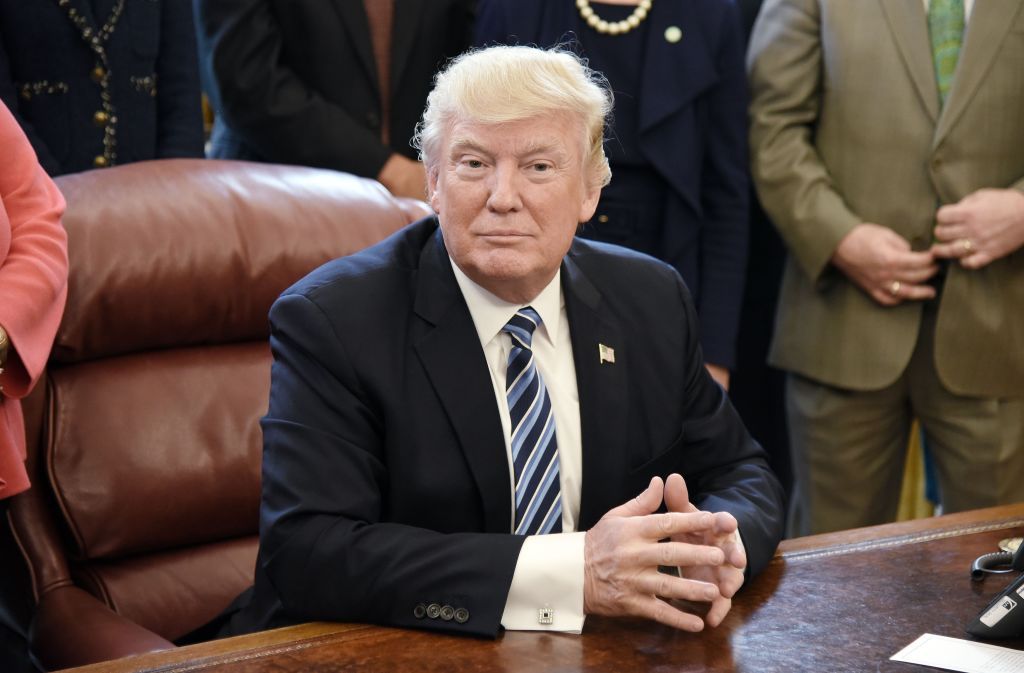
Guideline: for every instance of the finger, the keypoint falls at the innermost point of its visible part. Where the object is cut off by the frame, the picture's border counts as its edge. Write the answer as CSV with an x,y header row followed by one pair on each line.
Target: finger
x,y
646,503
677,495
976,261
951,214
919,275
944,233
735,554
667,524
729,581
658,610
656,583
910,261
719,609
916,292
885,297
725,524
680,554
960,247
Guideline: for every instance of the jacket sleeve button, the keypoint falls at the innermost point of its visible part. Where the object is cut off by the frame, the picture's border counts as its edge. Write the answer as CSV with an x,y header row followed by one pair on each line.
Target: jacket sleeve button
x,y
420,611
461,615
433,610
447,612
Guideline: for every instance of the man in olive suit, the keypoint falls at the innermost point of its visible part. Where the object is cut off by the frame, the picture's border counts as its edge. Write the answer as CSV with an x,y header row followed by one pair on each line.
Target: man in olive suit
x,y
886,145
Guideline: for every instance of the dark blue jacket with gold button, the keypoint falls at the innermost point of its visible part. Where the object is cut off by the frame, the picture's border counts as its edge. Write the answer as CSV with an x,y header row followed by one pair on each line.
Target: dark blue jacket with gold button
x,y
96,83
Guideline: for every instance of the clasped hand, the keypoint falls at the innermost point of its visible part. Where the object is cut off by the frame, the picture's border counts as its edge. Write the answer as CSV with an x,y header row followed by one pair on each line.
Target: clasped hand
x,y
622,553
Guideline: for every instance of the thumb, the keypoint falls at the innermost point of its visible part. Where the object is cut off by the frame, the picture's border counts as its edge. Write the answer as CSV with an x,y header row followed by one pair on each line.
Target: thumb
x,y
677,496
647,502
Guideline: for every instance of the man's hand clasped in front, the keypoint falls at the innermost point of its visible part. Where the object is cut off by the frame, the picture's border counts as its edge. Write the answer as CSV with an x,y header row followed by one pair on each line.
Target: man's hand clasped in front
x,y
623,551
982,227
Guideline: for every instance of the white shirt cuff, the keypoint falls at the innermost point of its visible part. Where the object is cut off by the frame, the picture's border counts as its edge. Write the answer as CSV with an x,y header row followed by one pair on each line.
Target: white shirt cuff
x,y
547,586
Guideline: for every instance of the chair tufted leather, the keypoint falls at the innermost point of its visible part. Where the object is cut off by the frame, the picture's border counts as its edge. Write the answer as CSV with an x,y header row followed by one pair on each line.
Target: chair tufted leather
x,y
144,442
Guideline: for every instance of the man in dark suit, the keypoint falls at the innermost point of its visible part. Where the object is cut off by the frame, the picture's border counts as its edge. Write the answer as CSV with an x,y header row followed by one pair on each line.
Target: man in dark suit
x,y
330,83
420,387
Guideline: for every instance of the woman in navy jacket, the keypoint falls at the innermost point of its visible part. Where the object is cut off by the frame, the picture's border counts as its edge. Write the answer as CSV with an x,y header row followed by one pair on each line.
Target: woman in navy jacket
x,y
95,83
678,148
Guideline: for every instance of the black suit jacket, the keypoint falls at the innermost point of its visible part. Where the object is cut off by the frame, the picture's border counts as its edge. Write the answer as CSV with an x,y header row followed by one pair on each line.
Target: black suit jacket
x,y
295,81
692,132
385,478
47,80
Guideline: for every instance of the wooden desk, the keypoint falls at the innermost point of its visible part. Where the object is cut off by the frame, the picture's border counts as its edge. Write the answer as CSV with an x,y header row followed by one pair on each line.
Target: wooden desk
x,y
838,602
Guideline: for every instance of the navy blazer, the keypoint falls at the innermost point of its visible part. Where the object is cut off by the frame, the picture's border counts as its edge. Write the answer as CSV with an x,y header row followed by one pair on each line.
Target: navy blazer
x,y
50,79
693,132
385,477
295,81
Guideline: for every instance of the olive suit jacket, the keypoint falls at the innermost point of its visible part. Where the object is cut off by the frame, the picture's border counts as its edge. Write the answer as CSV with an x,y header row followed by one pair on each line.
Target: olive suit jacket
x,y
847,128
385,479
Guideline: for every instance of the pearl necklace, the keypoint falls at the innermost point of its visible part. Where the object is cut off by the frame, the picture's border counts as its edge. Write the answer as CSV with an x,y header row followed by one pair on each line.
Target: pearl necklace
x,y
613,27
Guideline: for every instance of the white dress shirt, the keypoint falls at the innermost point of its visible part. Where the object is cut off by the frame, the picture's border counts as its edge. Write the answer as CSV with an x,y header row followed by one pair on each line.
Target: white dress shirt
x,y
549,572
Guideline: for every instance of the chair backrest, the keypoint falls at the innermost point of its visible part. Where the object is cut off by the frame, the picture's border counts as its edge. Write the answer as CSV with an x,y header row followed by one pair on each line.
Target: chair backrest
x,y
144,444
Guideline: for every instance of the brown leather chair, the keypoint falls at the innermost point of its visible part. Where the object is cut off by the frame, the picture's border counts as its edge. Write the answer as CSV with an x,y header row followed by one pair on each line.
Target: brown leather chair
x,y
144,444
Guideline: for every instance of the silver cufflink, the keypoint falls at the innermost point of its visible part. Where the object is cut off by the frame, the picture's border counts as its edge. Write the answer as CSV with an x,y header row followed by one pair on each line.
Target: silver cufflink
x,y
546,616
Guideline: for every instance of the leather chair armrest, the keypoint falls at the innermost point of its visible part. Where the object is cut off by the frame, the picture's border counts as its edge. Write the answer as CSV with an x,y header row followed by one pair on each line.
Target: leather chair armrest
x,y
73,628
414,209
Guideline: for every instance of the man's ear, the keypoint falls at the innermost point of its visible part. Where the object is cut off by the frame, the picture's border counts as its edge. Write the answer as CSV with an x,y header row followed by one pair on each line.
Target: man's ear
x,y
432,175
589,205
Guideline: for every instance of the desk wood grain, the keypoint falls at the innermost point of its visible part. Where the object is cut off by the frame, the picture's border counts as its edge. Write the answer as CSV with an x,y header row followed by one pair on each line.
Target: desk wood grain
x,y
838,602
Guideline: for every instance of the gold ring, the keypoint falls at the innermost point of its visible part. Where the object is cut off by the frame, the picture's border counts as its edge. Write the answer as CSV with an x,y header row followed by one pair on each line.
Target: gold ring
x,y
894,288
966,244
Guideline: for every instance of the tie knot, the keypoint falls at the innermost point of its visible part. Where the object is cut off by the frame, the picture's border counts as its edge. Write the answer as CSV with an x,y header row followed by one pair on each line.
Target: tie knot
x,y
522,324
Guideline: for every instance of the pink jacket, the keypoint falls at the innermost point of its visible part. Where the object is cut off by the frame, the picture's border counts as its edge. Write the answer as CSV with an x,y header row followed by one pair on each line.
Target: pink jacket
x,y
33,286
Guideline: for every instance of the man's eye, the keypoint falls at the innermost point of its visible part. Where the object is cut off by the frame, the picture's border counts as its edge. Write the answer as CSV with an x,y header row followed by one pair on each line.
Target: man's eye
x,y
474,163
541,168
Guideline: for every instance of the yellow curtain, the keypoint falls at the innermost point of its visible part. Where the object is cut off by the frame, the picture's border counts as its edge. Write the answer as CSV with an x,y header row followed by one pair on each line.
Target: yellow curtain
x,y
913,504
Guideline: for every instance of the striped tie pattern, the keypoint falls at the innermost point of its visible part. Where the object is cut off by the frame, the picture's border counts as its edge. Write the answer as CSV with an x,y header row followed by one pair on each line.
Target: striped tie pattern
x,y
946,28
534,446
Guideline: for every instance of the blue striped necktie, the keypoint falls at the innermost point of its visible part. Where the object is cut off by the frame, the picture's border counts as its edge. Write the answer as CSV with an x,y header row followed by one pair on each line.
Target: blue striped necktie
x,y
534,446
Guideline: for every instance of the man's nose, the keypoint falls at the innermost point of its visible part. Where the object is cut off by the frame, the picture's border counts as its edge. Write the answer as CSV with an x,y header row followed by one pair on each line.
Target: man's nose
x,y
504,196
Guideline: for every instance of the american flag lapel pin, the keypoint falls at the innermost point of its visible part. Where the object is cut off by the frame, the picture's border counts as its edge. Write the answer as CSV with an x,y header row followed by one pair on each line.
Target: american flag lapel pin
x,y
605,354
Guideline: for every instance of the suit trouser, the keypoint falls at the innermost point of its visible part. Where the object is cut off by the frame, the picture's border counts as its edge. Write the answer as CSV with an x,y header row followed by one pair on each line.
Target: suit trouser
x,y
849,447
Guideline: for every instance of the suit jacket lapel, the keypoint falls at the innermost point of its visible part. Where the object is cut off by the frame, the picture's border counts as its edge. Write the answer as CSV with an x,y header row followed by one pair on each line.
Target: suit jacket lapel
x,y
909,27
451,355
353,18
407,22
988,26
663,90
602,389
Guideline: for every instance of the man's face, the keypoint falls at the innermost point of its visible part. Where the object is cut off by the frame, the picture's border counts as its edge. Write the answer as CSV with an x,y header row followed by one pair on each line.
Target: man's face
x,y
509,198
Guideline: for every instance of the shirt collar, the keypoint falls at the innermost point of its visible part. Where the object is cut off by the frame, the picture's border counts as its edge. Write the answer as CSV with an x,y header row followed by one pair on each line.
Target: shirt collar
x,y
490,313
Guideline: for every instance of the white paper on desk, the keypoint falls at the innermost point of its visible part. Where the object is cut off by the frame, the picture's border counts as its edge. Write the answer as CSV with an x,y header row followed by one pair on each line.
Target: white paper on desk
x,y
966,656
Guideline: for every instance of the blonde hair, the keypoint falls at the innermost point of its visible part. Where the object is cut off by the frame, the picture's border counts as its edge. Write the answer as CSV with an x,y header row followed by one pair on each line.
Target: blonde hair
x,y
505,84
